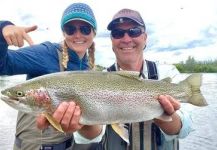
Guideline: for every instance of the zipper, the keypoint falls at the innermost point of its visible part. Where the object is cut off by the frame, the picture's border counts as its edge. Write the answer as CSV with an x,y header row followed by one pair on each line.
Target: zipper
x,y
80,66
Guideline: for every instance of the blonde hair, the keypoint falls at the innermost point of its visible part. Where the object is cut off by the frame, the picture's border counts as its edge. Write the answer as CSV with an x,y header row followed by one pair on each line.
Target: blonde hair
x,y
91,55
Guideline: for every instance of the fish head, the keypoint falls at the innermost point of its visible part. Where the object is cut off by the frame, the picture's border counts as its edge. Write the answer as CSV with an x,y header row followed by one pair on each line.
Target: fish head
x,y
27,97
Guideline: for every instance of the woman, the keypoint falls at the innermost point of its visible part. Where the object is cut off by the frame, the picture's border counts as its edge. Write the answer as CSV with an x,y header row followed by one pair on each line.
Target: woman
x,y
79,28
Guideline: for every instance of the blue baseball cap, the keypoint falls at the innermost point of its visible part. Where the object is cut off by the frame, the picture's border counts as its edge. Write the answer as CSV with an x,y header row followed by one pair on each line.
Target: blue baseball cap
x,y
79,11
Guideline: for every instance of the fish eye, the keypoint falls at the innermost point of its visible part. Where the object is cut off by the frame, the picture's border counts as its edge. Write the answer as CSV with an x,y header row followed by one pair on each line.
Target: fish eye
x,y
19,93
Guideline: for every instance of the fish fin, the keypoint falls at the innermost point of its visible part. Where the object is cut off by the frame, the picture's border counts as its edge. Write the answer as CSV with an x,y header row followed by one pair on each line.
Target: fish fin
x,y
194,82
53,122
164,117
168,79
129,74
121,131
55,97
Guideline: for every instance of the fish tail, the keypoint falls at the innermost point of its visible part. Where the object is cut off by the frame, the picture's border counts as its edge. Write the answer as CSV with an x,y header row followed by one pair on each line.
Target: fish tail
x,y
194,82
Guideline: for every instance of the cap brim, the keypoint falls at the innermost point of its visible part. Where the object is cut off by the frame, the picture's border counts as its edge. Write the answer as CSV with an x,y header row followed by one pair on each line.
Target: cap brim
x,y
115,22
80,20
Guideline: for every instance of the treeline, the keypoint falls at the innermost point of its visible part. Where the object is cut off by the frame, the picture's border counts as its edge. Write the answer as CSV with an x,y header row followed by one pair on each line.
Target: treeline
x,y
99,68
193,66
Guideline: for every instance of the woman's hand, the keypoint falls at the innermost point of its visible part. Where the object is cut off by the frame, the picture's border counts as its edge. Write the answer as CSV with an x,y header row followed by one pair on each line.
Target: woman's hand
x,y
67,114
15,35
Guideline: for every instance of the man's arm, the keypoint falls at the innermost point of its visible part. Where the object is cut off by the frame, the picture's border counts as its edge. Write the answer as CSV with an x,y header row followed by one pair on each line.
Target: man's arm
x,y
181,124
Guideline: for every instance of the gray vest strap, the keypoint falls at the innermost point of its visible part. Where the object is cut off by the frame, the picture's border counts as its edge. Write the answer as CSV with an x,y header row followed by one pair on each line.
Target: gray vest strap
x,y
135,133
147,135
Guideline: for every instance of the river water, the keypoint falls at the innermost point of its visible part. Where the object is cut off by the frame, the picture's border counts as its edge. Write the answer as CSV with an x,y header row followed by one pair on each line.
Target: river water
x,y
204,137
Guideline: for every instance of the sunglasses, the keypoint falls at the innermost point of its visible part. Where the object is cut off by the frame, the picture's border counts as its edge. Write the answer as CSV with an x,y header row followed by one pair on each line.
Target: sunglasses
x,y
132,32
71,29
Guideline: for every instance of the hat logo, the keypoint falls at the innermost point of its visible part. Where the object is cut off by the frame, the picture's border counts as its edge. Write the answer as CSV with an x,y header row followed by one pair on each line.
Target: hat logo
x,y
121,20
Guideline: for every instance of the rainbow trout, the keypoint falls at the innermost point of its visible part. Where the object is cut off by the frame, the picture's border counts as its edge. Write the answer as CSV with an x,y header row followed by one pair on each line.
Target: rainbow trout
x,y
104,97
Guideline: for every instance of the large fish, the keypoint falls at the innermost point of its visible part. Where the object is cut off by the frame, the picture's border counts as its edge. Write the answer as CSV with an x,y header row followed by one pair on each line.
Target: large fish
x,y
104,97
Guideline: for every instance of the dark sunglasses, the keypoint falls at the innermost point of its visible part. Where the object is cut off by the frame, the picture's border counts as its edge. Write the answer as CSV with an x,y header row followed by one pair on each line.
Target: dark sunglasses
x,y
71,29
132,32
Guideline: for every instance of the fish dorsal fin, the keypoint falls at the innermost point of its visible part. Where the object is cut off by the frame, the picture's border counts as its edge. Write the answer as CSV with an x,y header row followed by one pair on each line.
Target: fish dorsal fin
x,y
53,122
129,74
121,131
168,80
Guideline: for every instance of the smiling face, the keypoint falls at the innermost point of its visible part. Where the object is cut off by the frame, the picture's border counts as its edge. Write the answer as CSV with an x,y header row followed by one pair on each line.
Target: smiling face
x,y
129,50
78,41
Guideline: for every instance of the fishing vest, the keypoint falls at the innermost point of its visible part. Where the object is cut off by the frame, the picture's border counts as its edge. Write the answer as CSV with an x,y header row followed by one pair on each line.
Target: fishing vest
x,y
143,135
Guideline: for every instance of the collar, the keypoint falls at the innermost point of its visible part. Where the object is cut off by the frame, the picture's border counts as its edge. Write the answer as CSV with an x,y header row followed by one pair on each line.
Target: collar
x,y
143,69
73,57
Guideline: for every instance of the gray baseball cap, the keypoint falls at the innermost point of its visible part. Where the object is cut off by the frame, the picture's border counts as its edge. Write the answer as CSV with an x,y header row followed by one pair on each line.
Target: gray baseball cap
x,y
126,14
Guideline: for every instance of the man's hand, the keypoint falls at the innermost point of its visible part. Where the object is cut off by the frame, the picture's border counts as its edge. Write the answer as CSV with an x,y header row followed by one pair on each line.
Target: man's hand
x,y
16,36
170,105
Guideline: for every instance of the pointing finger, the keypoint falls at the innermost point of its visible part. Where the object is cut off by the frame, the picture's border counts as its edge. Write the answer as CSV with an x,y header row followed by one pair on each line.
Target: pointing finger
x,y
26,36
28,39
30,29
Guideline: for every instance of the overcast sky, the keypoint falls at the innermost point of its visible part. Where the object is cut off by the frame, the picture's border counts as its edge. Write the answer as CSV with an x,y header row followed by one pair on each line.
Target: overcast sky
x,y
176,28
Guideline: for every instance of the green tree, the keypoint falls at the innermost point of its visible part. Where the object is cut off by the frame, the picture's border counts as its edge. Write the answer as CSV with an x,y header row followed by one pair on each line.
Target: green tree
x,y
191,66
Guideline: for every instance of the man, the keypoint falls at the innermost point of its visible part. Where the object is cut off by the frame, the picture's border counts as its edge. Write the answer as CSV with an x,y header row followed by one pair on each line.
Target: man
x,y
128,36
